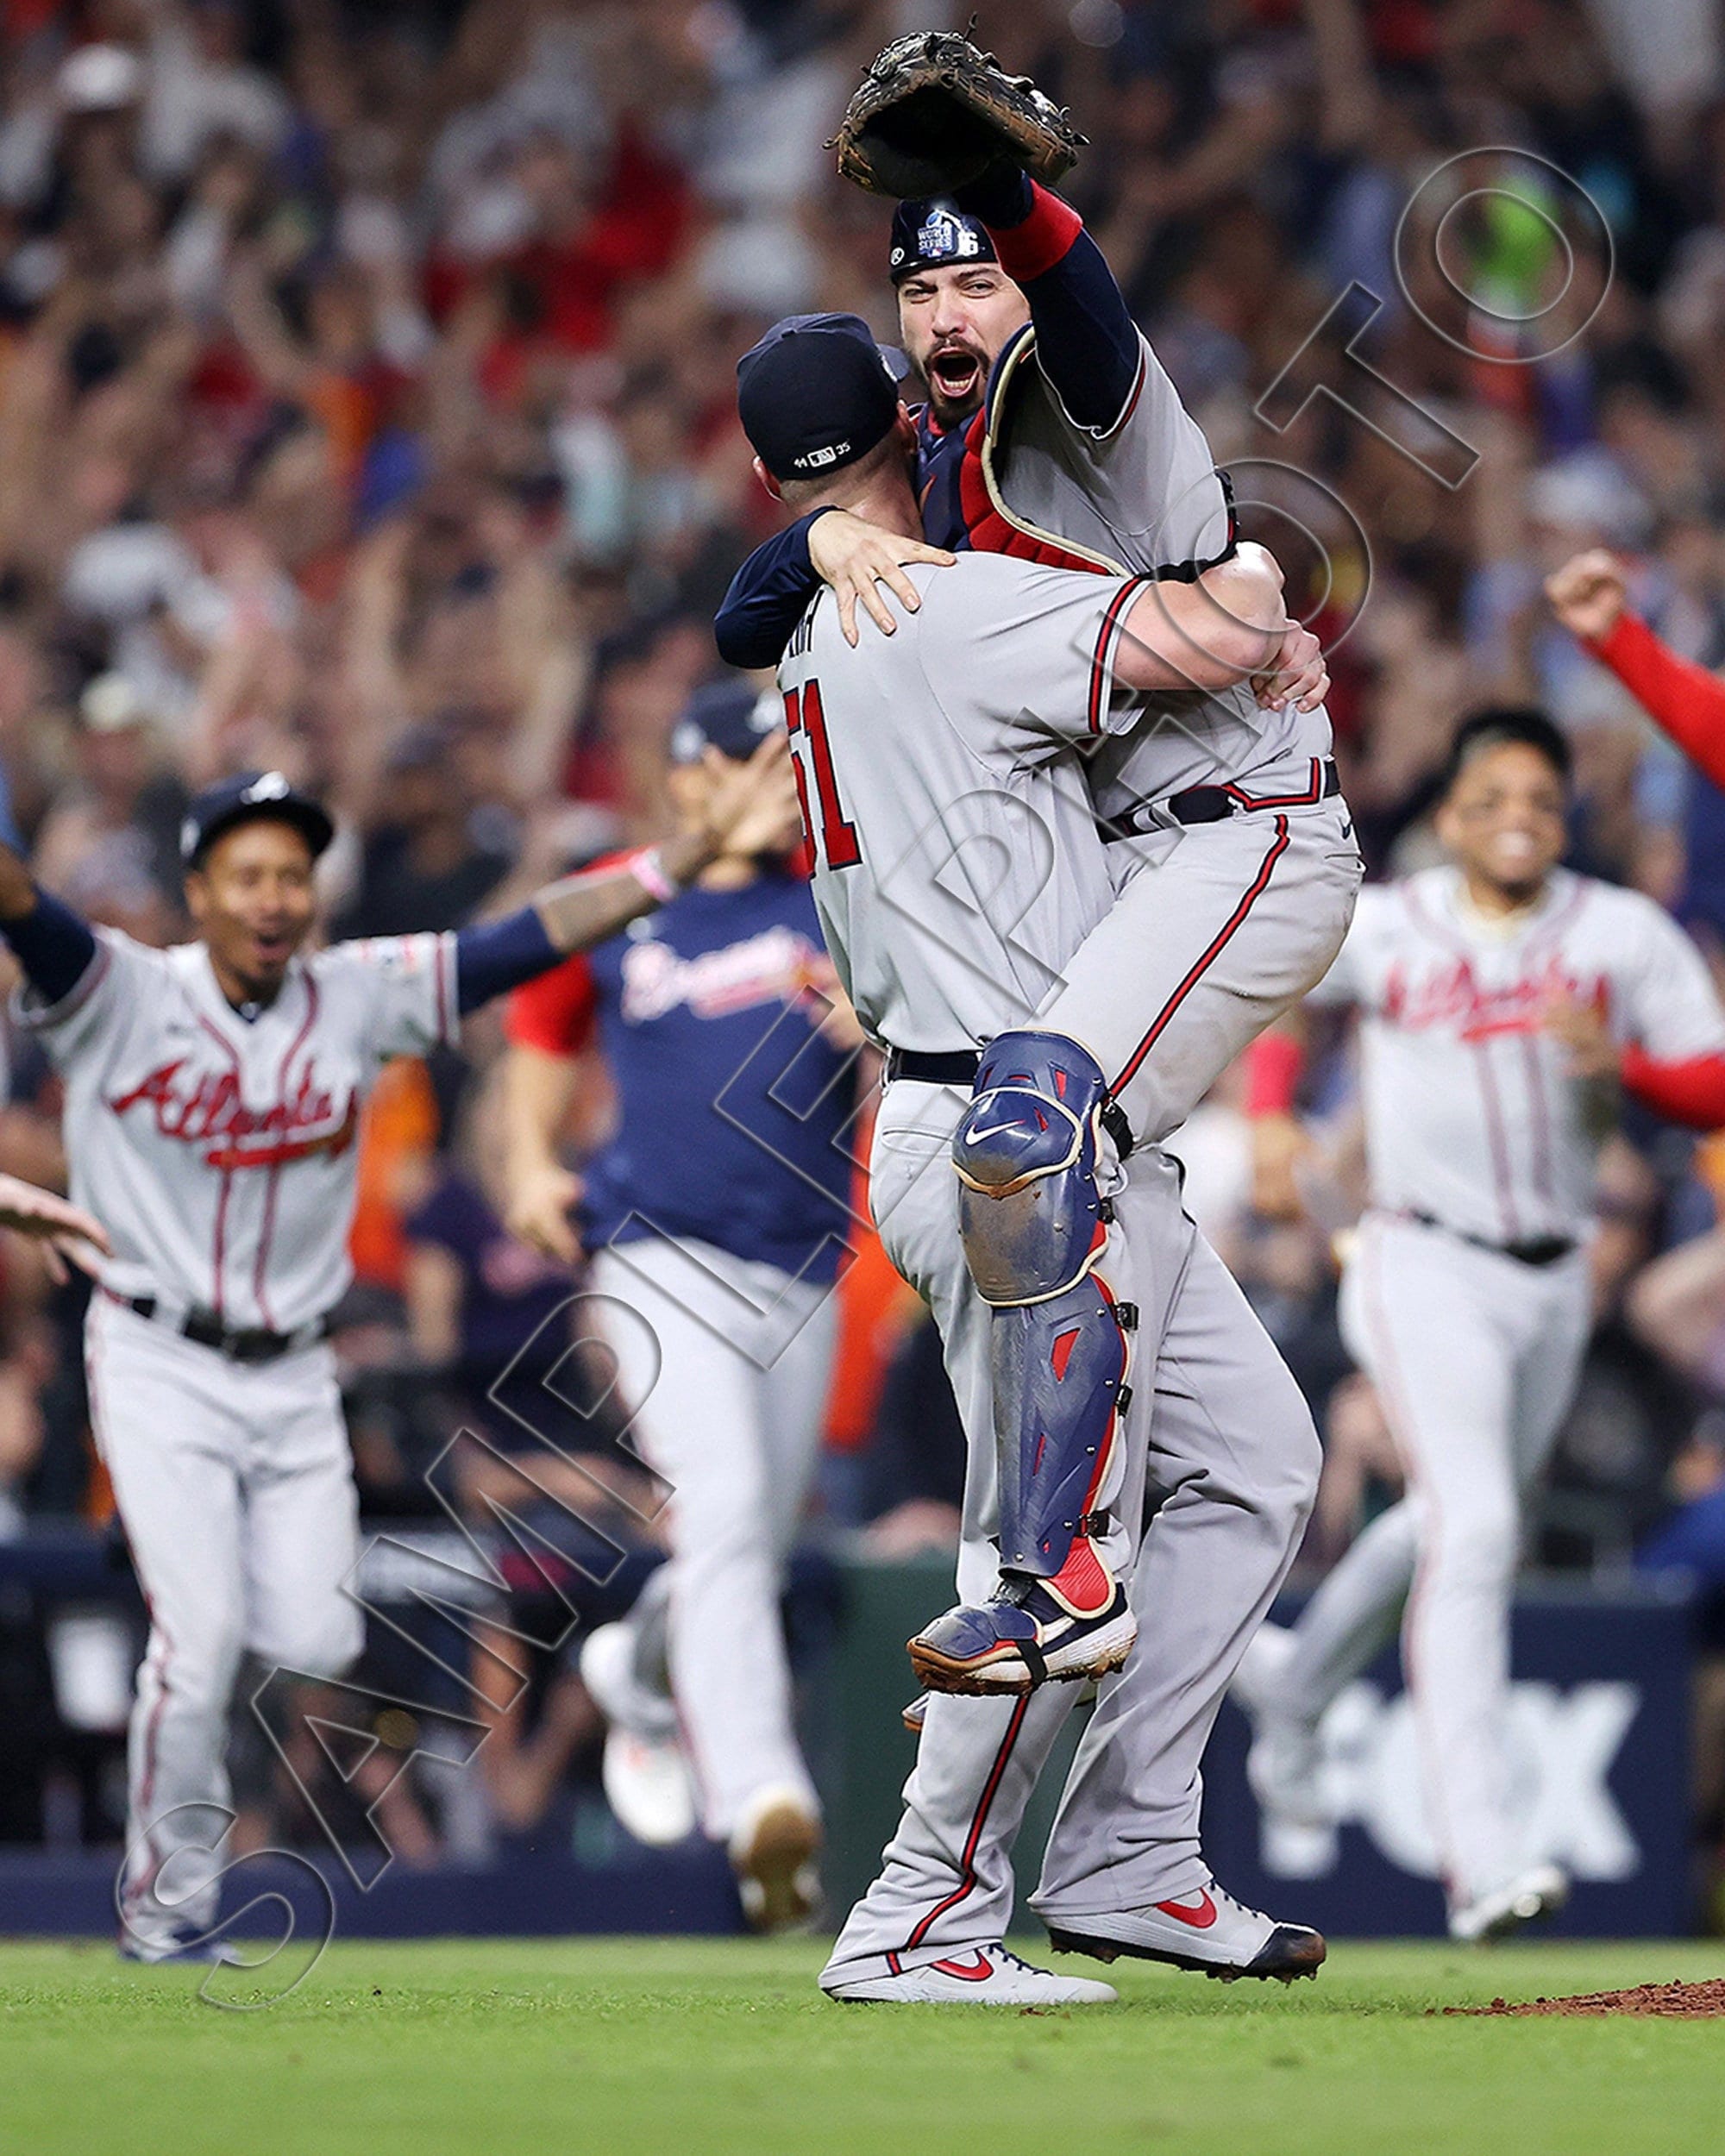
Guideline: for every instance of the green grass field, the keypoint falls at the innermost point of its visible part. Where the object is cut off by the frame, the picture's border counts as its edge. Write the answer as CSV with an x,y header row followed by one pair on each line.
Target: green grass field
x,y
718,2044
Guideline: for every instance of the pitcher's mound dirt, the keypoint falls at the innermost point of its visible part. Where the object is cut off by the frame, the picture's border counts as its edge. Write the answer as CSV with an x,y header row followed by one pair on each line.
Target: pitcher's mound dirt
x,y
1683,2002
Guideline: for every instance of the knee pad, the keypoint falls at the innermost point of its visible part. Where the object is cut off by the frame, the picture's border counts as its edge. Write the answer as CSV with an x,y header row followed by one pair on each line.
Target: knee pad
x,y
1059,1368
1032,1220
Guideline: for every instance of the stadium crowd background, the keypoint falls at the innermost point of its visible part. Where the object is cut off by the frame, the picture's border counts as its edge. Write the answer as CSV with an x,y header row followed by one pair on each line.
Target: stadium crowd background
x,y
366,409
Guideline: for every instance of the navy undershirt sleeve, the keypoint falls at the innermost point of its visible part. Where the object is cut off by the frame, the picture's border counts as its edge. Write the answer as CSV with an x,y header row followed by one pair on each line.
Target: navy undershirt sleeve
x,y
767,598
1086,339
1087,342
495,956
55,946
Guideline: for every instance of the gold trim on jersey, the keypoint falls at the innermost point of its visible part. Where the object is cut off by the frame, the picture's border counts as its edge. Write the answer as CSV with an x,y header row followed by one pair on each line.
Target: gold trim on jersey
x,y
1006,367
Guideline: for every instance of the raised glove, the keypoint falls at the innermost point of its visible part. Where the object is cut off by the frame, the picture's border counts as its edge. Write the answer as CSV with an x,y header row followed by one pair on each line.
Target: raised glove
x,y
933,113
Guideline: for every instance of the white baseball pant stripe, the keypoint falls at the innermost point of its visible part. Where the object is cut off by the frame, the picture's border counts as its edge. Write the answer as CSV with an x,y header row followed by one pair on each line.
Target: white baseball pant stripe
x,y
1218,1429
1475,1357
235,1489
726,1362
1223,927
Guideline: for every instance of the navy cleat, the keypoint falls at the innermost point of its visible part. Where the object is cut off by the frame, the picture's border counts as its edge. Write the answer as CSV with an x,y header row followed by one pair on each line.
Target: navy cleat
x,y
1023,1636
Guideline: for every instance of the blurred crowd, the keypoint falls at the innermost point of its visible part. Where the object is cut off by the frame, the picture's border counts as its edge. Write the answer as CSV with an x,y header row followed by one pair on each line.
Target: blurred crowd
x,y
366,411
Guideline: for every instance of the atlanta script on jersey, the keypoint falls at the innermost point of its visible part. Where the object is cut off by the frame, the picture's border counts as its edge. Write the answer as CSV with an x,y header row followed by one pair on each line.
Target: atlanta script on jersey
x,y
218,1151
1471,1114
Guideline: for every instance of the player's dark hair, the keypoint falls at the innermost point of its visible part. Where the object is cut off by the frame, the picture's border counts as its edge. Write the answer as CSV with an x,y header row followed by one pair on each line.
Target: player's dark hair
x,y
1499,723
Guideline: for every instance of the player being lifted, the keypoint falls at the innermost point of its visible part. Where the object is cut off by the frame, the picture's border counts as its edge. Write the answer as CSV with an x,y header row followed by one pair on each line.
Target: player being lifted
x,y
1053,434
958,867
1500,998
212,1095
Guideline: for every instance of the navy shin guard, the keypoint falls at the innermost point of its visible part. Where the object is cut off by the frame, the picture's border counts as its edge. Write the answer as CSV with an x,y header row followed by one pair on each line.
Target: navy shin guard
x,y
1034,1224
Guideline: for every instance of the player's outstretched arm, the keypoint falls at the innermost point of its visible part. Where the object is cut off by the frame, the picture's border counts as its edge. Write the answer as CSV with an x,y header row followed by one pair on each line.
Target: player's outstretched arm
x,y
1590,597
1224,627
751,809
53,945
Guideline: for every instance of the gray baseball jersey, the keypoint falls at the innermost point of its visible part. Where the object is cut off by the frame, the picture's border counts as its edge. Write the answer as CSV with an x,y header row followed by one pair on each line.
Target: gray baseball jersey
x,y
1471,1115
1143,496
220,1154
957,865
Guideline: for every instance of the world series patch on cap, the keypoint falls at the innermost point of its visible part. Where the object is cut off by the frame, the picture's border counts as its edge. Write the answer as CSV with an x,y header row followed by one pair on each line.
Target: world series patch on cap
x,y
934,234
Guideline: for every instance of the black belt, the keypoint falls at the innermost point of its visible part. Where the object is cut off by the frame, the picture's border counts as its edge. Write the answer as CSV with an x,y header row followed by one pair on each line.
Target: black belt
x,y
958,1065
1536,1250
1215,804
240,1343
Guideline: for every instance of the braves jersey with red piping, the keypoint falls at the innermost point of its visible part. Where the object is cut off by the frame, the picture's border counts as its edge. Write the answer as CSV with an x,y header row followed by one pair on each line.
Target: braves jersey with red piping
x,y
732,1106
1472,1115
219,1151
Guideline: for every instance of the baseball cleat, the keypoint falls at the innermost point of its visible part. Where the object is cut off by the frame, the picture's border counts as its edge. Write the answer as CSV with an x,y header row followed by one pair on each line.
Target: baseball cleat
x,y
1020,1638
1208,1930
977,1975
1539,1891
773,1848
644,1769
176,1942
914,1714
646,1785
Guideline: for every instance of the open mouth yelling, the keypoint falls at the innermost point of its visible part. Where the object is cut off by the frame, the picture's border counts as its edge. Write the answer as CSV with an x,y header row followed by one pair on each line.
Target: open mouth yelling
x,y
271,951
955,375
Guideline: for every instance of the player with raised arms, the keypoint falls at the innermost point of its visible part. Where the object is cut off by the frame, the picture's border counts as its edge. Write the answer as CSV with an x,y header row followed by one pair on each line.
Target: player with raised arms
x,y
1501,999
212,1099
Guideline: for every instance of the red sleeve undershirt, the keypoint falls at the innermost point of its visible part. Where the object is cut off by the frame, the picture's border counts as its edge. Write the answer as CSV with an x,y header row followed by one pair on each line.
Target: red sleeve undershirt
x,y
1691,1091
555,1012
1032,248
1685,700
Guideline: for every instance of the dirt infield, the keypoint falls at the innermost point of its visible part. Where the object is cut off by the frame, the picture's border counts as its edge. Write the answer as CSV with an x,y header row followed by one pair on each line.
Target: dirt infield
x,y
1681,2002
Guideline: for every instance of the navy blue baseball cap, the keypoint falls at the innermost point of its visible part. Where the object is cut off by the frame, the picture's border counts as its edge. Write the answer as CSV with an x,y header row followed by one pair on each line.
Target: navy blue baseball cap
x,y
816,393
730,715
250,797
934,233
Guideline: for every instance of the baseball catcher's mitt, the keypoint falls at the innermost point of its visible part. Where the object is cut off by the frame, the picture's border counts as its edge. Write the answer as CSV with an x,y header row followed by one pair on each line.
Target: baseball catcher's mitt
x,y
932,114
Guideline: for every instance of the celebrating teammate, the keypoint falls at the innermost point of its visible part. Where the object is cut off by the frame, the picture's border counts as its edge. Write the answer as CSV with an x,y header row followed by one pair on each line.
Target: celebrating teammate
x,y
1501,999
716,1215
958,867
1052,434
212,1097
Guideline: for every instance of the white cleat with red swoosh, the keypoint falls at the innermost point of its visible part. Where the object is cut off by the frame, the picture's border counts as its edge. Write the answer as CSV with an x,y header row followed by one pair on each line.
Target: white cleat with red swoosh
x,y
977,1975
1205,1929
